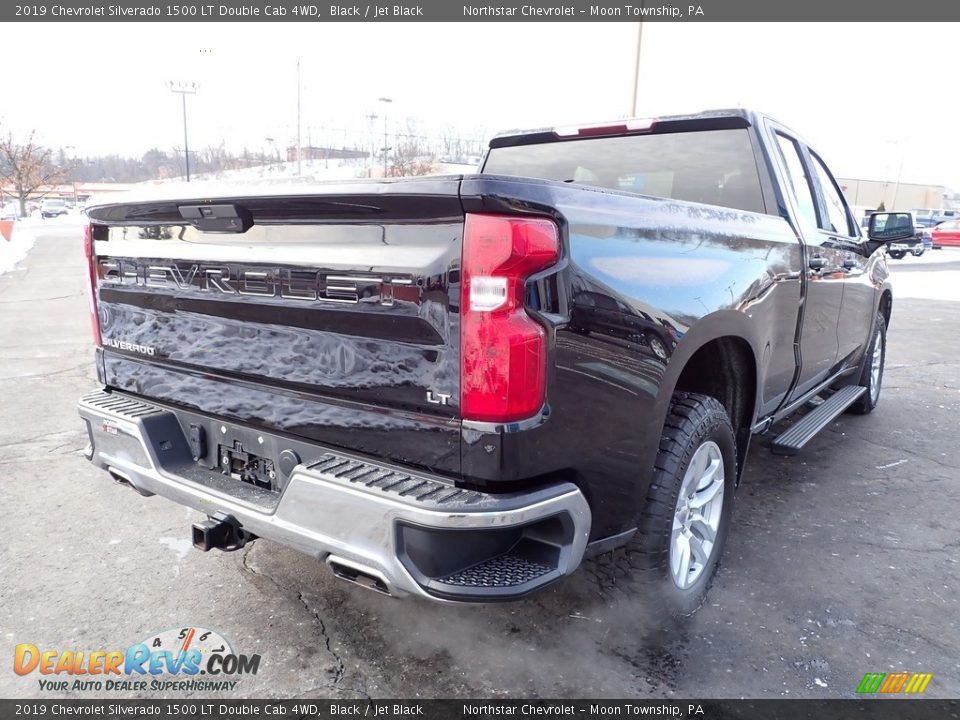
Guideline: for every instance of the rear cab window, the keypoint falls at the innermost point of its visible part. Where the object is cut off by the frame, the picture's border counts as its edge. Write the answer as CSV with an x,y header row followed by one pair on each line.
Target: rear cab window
x,y
714,167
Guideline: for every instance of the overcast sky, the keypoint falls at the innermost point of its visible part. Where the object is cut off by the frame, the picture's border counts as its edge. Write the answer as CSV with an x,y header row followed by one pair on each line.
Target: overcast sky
x,y
870,97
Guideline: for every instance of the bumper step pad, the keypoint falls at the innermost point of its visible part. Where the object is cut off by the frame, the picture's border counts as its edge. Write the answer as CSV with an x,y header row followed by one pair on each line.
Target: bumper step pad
x,y
401,484
507,570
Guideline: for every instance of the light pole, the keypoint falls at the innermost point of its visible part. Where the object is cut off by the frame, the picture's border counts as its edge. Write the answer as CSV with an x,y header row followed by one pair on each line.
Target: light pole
x,y
276,153
184,89
373,145
636,73
896,188
298,117
386,101
898,143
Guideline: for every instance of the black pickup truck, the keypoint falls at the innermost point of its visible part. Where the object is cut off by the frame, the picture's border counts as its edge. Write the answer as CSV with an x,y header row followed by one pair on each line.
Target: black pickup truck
x,y
460,387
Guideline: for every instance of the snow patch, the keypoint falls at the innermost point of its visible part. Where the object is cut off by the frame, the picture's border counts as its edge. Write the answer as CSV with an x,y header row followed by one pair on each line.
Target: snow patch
x,y
16,248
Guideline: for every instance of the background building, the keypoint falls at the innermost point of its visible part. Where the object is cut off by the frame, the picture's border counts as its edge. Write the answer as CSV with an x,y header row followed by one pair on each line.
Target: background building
x,y
894,195
71,192
324,153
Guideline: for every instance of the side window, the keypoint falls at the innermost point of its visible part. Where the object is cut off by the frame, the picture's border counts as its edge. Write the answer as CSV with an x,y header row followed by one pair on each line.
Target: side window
x,y
837,219
797,177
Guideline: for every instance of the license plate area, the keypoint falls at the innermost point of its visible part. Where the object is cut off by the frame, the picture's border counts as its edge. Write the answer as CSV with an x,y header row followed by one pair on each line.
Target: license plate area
x,y
240,464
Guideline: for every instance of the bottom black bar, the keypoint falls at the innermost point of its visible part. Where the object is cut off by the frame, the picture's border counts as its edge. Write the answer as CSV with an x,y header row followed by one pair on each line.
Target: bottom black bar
x,y
913,708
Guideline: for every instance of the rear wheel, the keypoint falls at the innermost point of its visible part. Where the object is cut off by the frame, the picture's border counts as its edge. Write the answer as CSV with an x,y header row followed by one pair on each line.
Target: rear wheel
x,y
686,515
871,376
896,254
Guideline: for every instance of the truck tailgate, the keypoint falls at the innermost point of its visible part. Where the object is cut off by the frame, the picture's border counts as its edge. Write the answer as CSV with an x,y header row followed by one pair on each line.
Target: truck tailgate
x,y
333,317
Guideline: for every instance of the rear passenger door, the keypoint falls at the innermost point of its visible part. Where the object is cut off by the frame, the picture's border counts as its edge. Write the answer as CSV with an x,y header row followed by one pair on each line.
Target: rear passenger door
x,y
840,232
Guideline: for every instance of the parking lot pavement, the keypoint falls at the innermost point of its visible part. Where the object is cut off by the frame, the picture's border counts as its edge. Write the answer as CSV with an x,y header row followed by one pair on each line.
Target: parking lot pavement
x,y
841,561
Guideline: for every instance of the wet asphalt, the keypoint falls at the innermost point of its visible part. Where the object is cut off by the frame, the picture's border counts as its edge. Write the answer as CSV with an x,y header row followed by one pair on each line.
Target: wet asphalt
x,y
841,561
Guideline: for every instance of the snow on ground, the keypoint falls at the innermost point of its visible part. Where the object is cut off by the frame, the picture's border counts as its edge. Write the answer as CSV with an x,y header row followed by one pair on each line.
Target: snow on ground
x,y
310,171
15,249
282,172
939,285
24,234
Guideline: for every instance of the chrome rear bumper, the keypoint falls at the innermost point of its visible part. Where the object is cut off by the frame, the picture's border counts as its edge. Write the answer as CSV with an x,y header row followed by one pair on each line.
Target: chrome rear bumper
x,y
402,531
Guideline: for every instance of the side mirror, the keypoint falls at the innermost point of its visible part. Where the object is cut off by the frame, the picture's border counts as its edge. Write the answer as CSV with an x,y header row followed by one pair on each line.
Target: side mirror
x,y
887,227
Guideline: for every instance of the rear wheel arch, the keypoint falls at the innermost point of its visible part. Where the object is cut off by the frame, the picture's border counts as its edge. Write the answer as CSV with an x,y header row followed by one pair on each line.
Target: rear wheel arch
x,y
725,368
716,358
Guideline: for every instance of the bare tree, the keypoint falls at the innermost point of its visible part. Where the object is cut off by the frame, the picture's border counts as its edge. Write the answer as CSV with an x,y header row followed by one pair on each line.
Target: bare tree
x,y
178,157
411,155
29,167
215,159
454,146
459,145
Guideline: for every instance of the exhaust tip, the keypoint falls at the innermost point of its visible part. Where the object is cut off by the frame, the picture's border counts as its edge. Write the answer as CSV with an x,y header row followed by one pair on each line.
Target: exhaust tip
x,y
369,579
122,478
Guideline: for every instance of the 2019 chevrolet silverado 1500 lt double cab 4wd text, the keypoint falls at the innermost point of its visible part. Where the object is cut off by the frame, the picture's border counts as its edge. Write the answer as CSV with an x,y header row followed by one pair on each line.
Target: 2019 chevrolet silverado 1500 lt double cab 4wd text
x,y
459,387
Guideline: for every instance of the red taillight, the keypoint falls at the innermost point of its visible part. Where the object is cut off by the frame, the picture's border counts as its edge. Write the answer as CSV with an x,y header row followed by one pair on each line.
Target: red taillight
x,y
92,283
503,351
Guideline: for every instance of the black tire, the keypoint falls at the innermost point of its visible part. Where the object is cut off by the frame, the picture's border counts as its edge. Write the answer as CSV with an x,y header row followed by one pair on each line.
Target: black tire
x,y
693,421
896,254
868,401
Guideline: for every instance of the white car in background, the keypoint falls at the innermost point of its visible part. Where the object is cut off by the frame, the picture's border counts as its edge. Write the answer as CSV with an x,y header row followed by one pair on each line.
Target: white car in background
x,y
53,207
10,210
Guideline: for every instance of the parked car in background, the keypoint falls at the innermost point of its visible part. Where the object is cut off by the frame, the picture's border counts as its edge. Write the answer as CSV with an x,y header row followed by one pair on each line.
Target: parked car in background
x,y
946,233
925,242
10,210
925,216
53,207
931,217
945,216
